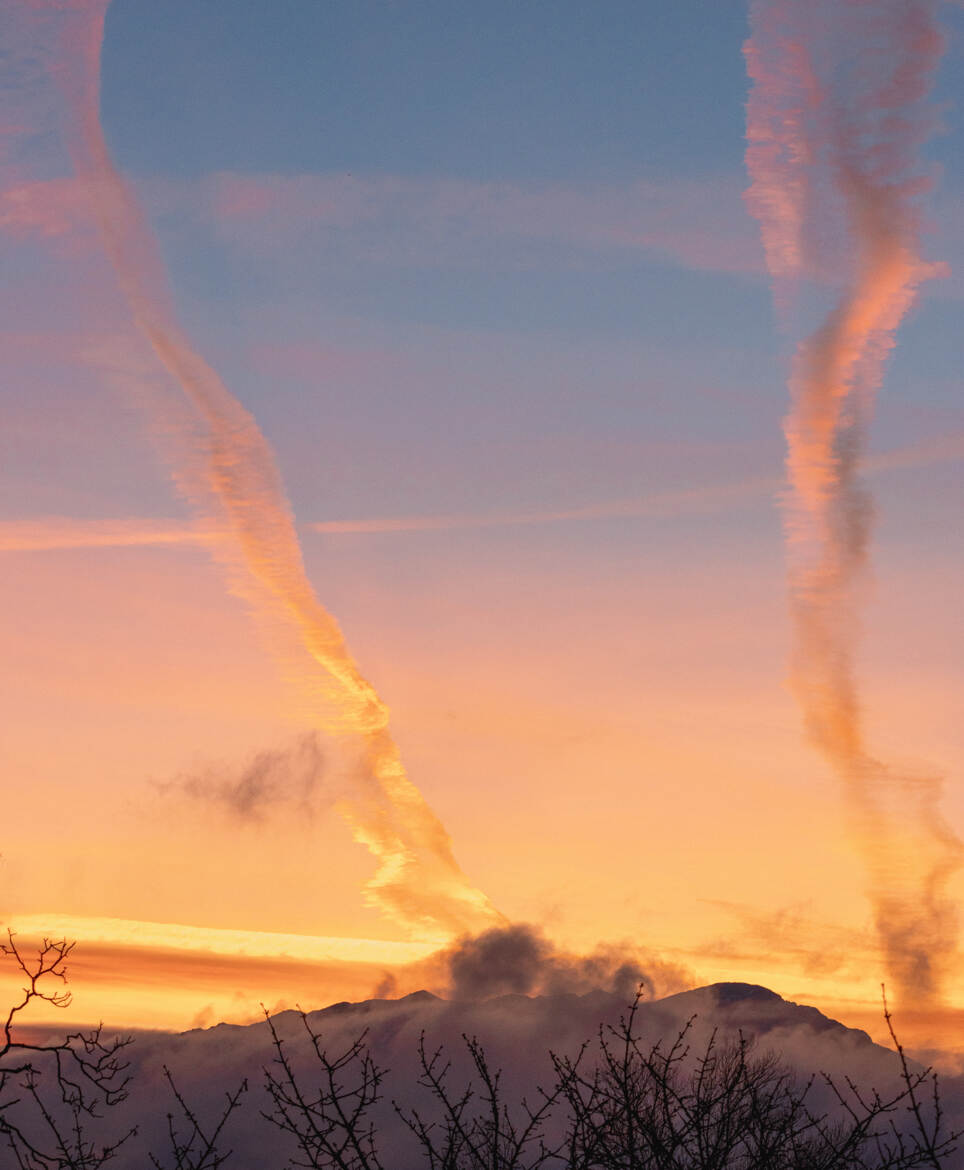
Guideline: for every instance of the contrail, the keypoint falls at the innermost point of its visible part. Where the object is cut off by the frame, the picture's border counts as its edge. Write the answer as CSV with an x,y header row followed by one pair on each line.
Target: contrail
x,y
54,534
834,121
658,504
63,533
418,880
720,497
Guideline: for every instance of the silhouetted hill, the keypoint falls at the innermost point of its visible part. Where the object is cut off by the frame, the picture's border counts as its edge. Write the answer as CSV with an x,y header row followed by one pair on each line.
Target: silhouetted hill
x,y
518,1033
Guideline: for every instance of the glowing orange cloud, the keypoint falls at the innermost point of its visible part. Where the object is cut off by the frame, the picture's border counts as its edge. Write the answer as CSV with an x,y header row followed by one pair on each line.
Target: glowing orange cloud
x,y
227,465
49,533
851,140
145,974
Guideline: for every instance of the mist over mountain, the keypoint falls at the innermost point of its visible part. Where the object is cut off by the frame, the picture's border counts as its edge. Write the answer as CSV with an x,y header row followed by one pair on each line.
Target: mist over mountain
x,y
518,1034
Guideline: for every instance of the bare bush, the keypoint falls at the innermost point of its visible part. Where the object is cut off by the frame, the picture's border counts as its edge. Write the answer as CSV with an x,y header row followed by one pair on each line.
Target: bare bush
x,y
726,1108
475,1128
191,1148
53,1094
329,1121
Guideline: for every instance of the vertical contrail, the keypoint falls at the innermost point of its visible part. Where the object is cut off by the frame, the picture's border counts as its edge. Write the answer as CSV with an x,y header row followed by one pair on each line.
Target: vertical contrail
x,y
418,880
835,119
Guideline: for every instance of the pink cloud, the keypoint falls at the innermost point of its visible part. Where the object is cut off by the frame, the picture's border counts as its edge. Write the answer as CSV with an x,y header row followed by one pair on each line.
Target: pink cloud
x,y
53,210
699,224
392,219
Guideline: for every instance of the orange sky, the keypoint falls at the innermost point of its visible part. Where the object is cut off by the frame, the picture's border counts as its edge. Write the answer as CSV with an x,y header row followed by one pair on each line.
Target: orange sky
x,y
580,628
629,827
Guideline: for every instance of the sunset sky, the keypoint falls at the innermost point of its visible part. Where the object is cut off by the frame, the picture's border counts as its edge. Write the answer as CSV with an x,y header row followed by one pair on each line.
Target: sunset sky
x,y
484,277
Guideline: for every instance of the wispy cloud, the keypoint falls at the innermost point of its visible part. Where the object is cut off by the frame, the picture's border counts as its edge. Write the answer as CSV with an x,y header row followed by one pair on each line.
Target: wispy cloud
x,y
52,209
673,503
434,221
690,501
274,778
791,932
51,533
699,224
833,137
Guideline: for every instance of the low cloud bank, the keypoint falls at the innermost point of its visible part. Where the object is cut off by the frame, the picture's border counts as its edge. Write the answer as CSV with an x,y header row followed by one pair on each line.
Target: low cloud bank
x,y
518,1034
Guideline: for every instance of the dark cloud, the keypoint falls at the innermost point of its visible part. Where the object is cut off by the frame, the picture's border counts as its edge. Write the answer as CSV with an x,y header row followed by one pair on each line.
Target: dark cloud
x,y
519,959
500,961
386,987
270,779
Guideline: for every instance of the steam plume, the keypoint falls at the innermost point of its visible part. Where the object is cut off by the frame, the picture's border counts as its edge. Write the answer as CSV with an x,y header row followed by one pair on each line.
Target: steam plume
x,y
417,880
834,121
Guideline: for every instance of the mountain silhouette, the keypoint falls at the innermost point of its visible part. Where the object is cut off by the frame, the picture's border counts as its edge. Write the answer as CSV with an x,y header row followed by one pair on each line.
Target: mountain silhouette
x,y
517,1032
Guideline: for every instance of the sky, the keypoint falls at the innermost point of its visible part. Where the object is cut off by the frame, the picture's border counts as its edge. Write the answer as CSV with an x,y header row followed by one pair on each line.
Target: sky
x,y
476,290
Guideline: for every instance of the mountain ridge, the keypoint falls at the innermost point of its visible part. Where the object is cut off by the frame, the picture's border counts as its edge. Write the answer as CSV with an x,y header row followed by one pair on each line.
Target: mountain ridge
x,y
523,1037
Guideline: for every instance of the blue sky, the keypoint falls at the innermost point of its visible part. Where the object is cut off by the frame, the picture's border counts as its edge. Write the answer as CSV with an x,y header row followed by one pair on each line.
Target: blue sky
x,y
539,90
537,96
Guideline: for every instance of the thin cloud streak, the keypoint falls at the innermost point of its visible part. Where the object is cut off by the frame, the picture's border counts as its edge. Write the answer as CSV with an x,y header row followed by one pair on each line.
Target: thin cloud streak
x,y
850,142
162,975
133,932
436,221
56,533
61,533
689,501
445,220
659,504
